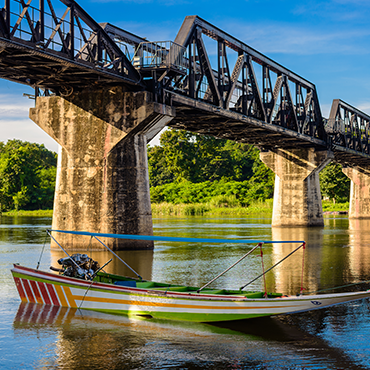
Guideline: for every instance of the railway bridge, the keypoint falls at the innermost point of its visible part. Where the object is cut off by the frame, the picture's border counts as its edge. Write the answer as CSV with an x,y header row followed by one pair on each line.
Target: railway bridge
x,y
103,93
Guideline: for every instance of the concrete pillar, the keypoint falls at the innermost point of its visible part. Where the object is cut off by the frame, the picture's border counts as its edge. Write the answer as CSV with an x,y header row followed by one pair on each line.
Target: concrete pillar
x,y
359,201
297,196
102,178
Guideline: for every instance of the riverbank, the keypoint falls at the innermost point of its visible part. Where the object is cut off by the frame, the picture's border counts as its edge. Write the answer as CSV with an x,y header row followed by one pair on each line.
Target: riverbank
x,y
335,208
256,208
204,209
36,213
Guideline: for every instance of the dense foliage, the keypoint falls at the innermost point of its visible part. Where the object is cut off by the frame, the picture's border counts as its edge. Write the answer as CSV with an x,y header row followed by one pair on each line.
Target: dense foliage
x,y
196,158
185,169
27,176
192,168
335,185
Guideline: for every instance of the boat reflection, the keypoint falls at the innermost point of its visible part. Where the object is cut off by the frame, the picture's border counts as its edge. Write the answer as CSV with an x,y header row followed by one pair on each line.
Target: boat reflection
x,y
99,340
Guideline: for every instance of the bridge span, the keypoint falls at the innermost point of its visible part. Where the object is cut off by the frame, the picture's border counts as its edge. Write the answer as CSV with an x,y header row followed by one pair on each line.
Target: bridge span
x,y
102,93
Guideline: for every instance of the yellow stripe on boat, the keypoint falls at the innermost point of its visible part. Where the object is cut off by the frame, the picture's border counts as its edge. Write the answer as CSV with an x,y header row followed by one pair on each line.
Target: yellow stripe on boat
x,y
70,298
60,294
194,305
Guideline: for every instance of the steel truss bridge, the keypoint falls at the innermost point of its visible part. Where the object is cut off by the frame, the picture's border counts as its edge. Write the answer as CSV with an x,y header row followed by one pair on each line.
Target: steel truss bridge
x,y
219,85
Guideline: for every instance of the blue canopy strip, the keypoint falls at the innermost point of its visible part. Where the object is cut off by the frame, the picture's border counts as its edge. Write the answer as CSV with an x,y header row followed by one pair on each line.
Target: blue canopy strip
x,y
174,239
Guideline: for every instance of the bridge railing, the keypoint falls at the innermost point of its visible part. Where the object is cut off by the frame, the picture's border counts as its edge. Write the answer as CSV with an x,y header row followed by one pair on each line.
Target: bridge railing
x,y
229,74
55,32
160,54
63,29
349,127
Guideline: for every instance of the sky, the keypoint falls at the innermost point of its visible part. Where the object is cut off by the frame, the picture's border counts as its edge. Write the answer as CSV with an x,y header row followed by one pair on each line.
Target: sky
x,y
326,42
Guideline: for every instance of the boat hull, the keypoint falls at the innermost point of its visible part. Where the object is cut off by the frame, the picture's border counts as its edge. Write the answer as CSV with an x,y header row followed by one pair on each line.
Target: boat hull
x,y
46,288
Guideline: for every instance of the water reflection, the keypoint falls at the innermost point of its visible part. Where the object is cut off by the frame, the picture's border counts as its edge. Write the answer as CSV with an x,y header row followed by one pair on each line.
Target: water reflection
x,y
288,276
86,339
47,337
359,248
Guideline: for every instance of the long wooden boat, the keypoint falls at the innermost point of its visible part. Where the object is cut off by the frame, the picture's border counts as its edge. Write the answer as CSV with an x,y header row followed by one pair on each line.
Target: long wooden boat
x,y
140,298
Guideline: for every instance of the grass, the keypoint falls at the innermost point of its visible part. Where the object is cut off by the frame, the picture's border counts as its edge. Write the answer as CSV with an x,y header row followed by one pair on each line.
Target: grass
x,y
211,209
36,213
328,206
215,208
223,209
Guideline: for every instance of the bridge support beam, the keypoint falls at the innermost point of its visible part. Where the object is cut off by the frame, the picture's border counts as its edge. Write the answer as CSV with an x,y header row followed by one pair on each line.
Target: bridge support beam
x,y
102,178
359,202
297,196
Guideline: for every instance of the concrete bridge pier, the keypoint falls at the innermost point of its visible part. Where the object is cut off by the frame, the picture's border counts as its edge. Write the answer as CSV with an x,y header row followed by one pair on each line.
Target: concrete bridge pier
x,y
102,177
297,195
359,202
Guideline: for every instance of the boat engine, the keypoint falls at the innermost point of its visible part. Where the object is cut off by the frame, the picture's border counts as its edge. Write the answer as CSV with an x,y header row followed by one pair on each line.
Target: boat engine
x,y
78,266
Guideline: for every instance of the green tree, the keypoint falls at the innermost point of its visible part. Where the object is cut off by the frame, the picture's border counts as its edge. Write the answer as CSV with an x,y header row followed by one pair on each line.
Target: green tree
x,y
193,168
197,158
334,184
159,173
25,174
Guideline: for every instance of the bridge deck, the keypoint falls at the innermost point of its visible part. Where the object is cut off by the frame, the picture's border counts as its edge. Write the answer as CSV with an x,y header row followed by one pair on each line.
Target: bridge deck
x,y
204,118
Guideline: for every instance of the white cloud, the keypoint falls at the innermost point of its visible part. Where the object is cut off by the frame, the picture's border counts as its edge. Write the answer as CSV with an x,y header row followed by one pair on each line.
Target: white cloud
x,y
298,40
325,110
15,124
365,107
152,31
14,106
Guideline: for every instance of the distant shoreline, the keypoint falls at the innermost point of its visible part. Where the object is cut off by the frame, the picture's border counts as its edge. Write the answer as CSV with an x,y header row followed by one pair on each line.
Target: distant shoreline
x,y
203,209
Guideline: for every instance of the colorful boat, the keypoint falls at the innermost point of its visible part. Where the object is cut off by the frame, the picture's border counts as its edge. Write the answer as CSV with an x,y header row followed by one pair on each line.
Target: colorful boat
x,y
104,292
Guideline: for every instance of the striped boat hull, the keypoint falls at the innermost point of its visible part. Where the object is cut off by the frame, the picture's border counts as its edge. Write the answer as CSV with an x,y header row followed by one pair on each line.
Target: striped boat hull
x,y
50,289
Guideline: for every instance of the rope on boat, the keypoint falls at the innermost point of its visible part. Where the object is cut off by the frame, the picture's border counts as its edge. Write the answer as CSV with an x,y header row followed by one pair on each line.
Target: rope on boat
x,y
304,248
295,250
119,258
263,272
92,282
338,287
42,251
229,268
48,231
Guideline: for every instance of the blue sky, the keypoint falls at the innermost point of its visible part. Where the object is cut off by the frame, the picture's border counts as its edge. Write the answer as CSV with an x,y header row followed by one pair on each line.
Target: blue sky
x,y
328,43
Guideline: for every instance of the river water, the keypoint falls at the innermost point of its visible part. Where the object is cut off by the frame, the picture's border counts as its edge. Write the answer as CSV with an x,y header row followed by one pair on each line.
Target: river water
x,y
42,337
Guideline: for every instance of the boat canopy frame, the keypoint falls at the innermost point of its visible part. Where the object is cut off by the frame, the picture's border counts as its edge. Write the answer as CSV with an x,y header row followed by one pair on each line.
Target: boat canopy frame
x,y
260,243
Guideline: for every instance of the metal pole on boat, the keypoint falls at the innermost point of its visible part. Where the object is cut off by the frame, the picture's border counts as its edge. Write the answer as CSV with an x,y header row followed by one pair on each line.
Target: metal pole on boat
x,y
229,268
119,258
295,250
51,236
100,268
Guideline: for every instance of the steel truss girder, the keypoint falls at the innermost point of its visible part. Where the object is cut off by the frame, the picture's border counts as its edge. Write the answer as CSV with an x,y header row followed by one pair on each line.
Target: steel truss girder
x,y
69,36
262,98
349,127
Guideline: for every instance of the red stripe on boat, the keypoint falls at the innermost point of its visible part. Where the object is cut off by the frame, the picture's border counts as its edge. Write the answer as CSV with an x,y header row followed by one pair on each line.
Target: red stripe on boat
x,y
21,291
28,290
44,293
53,296
36,291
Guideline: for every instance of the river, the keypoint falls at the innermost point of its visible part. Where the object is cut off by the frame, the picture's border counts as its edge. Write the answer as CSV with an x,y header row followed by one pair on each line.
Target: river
x,y
43,337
